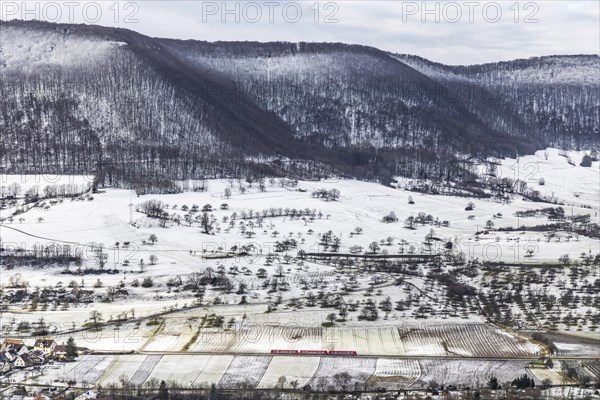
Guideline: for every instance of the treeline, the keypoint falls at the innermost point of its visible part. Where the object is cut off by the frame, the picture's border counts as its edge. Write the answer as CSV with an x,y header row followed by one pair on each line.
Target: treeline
x,y
36,192
39,255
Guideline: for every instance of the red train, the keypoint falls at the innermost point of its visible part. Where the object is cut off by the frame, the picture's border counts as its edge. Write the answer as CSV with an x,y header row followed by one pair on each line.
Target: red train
x,y
318,352
314,352
284,351
343,352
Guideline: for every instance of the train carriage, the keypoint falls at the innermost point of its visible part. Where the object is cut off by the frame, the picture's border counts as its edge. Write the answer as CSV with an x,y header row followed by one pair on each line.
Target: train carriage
x,y
317,352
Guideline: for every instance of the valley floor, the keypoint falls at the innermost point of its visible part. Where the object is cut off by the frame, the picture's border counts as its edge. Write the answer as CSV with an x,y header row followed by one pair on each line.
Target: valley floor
x,y
283,269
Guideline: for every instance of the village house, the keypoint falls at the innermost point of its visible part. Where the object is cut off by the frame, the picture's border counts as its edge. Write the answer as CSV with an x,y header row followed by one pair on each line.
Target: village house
x,y
37,397
24,360
38,356
13,351
10,342
4,364
46,345
60,352
14,346
87,395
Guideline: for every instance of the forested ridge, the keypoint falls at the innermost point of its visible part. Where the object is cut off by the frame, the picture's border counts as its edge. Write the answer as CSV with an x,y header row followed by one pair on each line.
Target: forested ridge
x,y
133,109
554,99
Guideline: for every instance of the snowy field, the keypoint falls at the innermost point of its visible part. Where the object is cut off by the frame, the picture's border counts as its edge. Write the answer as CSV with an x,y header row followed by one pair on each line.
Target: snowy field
x,y
394,374
300,369
360,370
470,373
469,340
237,375
321,373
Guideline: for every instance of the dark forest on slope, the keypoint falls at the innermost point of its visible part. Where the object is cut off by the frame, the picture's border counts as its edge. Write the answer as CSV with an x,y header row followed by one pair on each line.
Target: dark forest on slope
x,y
133,109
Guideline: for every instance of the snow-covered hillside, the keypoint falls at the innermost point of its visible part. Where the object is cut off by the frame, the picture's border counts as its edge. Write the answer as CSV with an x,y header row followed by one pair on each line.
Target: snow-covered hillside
x,y
550,70
147,111
23,49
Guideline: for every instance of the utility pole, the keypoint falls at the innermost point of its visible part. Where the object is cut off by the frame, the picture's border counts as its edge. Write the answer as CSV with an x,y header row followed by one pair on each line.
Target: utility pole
x,y
518,177
130,212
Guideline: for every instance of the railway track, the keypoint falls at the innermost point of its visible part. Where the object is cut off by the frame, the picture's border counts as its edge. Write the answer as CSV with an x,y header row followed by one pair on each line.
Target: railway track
x,y
399,357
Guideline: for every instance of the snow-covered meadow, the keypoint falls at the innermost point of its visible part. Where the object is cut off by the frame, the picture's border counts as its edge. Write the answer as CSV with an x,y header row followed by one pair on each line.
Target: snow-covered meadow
x,y
320,373
146,286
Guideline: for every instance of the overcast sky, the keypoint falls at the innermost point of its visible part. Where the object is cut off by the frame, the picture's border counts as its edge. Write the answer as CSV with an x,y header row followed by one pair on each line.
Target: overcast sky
x,y
461,32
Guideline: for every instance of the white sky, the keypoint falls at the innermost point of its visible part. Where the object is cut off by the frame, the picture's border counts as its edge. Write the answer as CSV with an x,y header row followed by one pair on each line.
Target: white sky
x,y
466,32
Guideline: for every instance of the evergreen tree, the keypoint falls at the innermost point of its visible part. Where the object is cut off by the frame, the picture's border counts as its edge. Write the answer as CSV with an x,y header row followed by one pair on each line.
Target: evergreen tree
x,y
523,382
213,392
163,391
71,349
493,383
